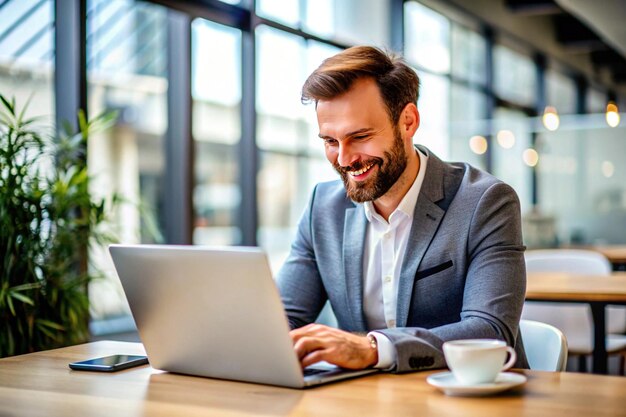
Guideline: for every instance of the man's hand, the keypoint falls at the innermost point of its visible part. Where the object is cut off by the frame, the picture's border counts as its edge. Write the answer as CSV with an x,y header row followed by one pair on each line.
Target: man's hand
x,y
316,342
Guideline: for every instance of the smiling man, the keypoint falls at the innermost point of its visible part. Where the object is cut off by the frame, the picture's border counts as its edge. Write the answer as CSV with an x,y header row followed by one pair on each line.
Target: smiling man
x,y
410,251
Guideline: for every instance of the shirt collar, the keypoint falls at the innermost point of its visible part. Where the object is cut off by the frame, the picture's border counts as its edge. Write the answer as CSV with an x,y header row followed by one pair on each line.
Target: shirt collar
x,y
407,204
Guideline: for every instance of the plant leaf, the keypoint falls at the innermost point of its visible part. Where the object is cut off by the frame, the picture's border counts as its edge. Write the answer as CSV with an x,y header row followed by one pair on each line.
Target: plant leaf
x,y
10,304
50,324
28,286
21,297
7,105
23,112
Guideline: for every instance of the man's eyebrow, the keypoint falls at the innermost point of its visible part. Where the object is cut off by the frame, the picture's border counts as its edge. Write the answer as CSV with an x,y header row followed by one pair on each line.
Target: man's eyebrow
x,y
350,134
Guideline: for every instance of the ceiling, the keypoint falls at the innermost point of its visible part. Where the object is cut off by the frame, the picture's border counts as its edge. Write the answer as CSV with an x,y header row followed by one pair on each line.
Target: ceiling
x,y
595,27
608,21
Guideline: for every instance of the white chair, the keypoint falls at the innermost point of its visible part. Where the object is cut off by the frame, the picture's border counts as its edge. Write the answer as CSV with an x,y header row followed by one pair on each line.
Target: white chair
x,y
545,346
574,320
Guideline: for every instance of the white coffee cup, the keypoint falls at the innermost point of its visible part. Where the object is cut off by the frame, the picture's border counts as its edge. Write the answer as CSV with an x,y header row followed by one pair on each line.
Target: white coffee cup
x,y
477,361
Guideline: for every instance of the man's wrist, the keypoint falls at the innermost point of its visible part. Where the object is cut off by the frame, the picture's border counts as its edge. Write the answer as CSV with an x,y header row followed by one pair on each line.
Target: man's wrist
x,y
386,351
373,350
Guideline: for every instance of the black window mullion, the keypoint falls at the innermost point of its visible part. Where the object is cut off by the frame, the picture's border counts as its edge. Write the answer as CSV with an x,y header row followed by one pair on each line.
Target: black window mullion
x,y
248,151
396,25
70,75
490,102
179,161
541,99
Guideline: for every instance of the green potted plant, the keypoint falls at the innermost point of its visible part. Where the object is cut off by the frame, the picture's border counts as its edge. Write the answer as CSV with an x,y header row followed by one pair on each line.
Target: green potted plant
x,y
48,219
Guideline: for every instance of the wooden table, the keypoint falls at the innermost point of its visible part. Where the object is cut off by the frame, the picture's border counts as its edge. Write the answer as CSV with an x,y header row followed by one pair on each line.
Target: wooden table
x,y
41,384
597,291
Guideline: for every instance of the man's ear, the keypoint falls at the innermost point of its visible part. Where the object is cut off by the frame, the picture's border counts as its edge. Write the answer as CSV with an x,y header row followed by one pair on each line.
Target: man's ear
x,y
409,120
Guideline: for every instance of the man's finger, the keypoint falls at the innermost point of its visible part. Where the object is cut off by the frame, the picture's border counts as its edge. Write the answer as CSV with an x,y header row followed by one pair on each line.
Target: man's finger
x,y
307,344
314,357
308,330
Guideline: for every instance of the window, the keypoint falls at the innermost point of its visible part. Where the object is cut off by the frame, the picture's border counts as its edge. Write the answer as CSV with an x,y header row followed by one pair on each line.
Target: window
x,y
467,119
434,108
468,56
581,180
596,101
126,64
216,91
292,157
560,92
283,11
281,71
347,21
515,76
427,38
512,137
27,55
581,183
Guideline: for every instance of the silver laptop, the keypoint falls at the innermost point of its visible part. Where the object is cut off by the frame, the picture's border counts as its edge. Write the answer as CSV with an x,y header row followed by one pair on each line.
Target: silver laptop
x,y
213,312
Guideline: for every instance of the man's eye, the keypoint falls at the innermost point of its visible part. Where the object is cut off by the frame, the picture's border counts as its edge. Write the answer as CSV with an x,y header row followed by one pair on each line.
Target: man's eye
x,y
361,137
330,142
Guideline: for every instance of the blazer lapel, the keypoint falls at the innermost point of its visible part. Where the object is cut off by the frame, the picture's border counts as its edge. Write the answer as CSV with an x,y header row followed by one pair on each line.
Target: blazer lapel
x,y
355,226
426,219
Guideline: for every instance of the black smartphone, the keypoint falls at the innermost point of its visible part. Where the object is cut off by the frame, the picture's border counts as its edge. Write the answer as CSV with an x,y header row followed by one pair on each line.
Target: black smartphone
x,y
110,363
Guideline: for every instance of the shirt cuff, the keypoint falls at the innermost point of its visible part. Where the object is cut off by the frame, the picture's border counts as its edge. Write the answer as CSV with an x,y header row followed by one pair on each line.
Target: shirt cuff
x,y
386,351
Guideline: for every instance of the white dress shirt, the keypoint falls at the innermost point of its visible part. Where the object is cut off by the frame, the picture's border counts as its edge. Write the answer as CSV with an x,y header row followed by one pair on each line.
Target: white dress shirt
x,y
385,246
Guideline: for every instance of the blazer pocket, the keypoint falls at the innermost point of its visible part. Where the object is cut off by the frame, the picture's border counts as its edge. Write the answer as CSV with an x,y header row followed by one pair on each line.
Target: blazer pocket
x,y
431,271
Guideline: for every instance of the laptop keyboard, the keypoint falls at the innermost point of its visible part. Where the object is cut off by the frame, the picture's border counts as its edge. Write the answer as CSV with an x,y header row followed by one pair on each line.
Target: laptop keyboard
x,y
313,371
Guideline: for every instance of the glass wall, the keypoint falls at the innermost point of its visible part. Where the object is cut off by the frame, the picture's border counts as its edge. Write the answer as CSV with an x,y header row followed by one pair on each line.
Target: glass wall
x,y
468,101
513,152
515,76
292,156
560,92
346,21
467,120
452,61
27,55
216,91
434,108
578,176
581,182
427,38
468,56
513,133
427,48
596,100
126,64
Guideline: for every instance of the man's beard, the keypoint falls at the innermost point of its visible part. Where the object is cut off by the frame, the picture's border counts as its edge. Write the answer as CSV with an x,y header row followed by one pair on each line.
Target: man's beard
x,y
389,170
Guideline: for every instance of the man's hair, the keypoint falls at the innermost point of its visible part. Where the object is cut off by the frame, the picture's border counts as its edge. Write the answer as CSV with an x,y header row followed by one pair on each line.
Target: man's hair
x,y
397,82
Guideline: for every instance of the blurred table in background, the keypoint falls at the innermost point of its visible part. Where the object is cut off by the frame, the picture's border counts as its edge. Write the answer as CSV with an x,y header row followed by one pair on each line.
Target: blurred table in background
x,y
615,253
596,290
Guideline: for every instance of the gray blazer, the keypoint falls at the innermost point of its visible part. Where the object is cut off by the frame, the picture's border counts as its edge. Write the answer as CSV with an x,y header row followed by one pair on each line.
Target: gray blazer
x,y
463,275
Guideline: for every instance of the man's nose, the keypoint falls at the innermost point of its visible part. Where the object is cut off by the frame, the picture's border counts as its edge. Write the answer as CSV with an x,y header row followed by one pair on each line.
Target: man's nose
x,y
345,155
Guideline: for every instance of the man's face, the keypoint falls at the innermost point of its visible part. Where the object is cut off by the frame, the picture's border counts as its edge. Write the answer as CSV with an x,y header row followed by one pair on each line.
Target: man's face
x,y
361,143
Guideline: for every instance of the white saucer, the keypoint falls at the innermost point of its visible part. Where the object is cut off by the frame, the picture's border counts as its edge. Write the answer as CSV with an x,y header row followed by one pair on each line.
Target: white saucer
x,y
446,382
